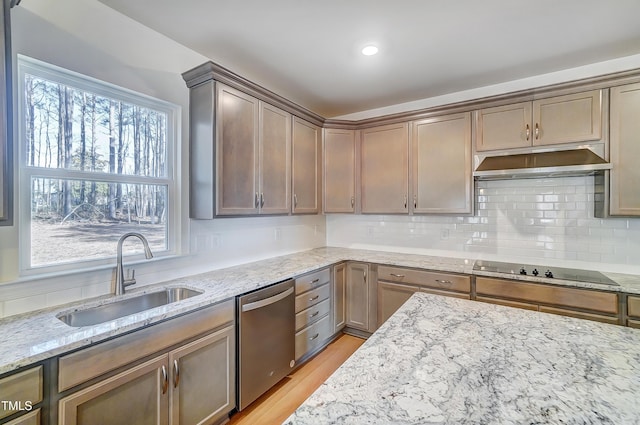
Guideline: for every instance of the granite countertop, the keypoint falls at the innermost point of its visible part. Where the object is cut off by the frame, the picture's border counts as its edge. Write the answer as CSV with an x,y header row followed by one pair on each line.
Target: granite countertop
x,y
39,335
449,361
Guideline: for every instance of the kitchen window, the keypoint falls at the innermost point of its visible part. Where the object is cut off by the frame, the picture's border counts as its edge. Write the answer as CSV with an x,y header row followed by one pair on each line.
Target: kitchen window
x,y
96,161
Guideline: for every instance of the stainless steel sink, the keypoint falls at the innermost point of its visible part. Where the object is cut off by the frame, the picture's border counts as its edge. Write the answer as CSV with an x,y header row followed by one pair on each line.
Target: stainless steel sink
x,y
115,310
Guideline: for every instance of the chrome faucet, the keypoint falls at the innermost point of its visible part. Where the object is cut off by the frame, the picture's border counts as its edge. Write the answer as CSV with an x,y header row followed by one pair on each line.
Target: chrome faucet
x,y
121,281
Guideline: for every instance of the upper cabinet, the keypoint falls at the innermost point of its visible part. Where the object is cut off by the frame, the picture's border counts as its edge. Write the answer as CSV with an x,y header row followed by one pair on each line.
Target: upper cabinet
x,y
339,171
624,143
306,167
384,163
237,162
441,165
549,121
6,156
250,150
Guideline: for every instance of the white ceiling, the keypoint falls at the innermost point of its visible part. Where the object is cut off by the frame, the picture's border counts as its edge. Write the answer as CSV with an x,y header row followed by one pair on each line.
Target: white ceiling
x,y
309,51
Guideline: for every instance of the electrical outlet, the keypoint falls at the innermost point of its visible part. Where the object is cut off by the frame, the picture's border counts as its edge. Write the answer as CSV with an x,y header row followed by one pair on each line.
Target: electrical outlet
x,y
217,240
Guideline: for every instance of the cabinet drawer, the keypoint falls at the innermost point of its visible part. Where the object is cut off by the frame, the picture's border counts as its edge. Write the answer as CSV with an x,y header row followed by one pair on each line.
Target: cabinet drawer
x,y
312,336
312,280
436,280
633,306
312,314
580,315
21,387
31,418
312,297
604,302
78,367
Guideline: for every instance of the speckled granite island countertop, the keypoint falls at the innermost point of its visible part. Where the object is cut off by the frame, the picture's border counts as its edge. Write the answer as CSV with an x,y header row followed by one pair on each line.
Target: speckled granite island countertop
x,y
442,360
39,335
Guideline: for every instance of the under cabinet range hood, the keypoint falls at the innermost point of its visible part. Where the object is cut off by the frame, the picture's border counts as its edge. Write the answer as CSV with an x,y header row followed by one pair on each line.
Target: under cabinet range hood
x,y
557,163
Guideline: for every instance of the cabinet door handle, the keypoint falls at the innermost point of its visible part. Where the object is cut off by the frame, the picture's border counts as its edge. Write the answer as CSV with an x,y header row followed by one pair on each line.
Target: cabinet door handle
x,y
364,276
405,201
295,200
415,202
314,337
527,132
256,201
314,298
537,132
396,275
261,200
444,282
165,380
176,374
315,314
314,281
353,201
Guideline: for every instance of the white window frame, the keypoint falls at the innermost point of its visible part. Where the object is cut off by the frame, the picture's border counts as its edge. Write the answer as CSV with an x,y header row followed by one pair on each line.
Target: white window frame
x,y
27,65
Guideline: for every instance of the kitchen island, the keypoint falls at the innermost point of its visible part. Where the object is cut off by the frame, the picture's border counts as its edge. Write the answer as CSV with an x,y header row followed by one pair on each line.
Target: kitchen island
x,y
451,361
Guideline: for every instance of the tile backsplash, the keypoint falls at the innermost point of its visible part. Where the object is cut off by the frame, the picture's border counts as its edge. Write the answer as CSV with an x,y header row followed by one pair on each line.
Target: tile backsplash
x,y
548,221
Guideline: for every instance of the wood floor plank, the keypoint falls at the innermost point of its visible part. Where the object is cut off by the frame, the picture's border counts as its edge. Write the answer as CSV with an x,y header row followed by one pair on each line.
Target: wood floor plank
x,y
281,401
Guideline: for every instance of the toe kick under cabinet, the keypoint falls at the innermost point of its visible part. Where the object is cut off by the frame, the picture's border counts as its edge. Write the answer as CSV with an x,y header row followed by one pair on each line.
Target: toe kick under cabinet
x,y
313,308
181,371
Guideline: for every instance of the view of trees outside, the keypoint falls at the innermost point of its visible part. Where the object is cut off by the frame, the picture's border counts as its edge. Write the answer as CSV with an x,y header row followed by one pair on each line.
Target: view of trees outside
x,y
90,152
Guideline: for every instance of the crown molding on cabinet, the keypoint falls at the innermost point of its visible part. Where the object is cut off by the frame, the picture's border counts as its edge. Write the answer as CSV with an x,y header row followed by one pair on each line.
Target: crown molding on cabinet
x,y
212,71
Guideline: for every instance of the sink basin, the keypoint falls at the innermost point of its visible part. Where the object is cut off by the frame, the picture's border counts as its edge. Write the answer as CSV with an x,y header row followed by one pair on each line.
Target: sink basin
x,y
115,310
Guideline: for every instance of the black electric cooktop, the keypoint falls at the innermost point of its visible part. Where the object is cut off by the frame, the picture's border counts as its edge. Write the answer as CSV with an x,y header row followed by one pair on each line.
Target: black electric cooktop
x,y
543,272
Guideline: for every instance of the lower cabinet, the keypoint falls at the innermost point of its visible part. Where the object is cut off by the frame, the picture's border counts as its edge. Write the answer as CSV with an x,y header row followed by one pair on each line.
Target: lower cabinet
x,y
633,311
361,298
193,383
575,302
21,394
397,284
338,296
313,312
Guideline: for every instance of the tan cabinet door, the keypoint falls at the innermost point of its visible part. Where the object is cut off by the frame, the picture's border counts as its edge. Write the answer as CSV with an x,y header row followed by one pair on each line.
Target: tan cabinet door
x,y
306,169
358,299
137,396
504,127
391,296
385,169
339,171
565,119
237,152
441,165
275,160
202,379
625,150
338,306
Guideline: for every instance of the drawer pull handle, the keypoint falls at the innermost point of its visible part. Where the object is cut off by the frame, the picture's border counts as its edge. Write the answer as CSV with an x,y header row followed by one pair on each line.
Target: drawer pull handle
x,y
444,282
314,337
315,314
165,380
396,275
314,298
315,281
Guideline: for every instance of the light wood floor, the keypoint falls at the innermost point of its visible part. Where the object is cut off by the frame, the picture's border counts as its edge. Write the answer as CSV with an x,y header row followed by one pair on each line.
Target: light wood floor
x,y
281,401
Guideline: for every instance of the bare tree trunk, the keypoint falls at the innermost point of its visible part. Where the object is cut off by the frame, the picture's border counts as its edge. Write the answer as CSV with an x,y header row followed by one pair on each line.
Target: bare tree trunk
x,y
68,147
112,159
83,143
92,194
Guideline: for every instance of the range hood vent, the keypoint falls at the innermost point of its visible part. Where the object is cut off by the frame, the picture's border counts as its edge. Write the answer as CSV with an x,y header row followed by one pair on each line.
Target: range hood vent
x,y
575,162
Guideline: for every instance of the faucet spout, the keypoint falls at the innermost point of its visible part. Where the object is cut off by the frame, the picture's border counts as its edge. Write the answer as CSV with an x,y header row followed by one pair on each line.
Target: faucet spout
x,y
121,281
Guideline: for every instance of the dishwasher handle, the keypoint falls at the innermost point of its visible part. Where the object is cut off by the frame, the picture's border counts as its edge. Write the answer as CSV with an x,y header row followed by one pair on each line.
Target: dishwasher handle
x,y
267,301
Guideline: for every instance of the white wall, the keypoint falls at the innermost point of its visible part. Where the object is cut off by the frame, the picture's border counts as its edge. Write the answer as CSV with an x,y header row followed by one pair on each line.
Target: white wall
x,y
534,221
87,37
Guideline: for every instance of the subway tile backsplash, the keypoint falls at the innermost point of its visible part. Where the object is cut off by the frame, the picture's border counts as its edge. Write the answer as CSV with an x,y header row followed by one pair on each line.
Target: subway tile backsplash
x,y
527,220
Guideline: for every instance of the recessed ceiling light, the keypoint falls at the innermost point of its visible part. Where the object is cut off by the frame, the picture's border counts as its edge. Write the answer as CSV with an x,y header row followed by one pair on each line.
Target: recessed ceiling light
x,y
369,50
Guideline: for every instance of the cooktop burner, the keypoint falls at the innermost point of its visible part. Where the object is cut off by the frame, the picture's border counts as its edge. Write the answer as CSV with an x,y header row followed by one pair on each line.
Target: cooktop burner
x,y
543,272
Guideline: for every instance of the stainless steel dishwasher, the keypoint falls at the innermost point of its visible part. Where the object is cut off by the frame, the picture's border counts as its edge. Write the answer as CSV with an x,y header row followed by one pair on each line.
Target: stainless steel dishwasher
x,y
266,339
